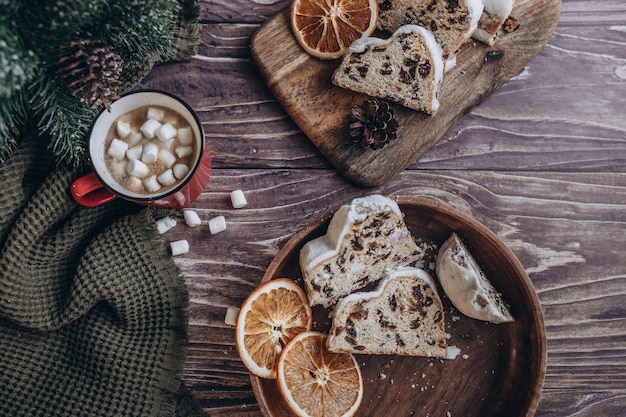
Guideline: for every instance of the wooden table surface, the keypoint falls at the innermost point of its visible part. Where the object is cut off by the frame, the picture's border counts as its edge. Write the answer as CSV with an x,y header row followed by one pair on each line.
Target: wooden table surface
x,y
542,163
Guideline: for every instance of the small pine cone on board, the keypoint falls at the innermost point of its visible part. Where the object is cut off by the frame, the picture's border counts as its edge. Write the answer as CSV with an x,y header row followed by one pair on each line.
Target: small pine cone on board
x,y
372,124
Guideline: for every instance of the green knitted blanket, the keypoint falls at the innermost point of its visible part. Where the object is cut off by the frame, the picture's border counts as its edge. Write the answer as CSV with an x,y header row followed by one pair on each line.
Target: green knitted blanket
x,y
92,306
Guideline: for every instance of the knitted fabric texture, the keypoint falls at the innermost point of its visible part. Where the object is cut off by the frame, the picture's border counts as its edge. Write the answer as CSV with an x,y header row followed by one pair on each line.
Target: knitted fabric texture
x,y
92,307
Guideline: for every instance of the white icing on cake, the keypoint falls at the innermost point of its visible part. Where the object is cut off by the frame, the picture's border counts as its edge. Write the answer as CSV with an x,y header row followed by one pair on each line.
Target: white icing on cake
x,y
495,12
364,240
325,247
476,9
466,285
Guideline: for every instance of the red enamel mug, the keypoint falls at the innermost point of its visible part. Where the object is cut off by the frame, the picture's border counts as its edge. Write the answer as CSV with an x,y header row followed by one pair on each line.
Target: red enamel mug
x,y
109,177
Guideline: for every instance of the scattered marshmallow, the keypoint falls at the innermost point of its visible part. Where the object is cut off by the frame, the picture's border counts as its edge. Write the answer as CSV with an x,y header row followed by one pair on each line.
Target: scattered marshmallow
x,y
150,153
166,177
118,148
231,316
136,168
180,170
123,128
166,158
183,151
167,145
191,218
134,152
164,224
171,119
179,247
134,137
155,113
117,168
134,184
238,199
152,184
149,128
165,132
217,224
185,135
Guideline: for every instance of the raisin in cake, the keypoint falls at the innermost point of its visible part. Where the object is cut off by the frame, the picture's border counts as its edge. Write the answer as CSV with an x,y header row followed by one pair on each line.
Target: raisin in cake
x,y
365,239
406,68
494,15
466,285
404,316
451,21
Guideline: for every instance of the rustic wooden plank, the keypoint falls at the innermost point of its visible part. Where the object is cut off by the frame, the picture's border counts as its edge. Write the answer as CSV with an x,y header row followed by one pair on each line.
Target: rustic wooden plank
x,y
574,12
588,404
525,125
567,229
238,11
605,12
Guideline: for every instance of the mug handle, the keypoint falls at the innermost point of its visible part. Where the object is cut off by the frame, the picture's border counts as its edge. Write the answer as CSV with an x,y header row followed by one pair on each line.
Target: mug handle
x,y
88,191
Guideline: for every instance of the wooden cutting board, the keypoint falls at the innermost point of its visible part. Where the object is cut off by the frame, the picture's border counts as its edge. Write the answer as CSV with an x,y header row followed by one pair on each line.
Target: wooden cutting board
x,y
302,84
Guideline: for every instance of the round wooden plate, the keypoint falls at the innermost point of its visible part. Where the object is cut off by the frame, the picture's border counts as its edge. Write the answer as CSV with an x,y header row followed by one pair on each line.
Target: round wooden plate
x,y
501,368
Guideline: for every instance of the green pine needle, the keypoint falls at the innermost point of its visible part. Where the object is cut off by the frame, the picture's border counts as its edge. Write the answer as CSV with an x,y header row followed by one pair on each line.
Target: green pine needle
x,y
141,32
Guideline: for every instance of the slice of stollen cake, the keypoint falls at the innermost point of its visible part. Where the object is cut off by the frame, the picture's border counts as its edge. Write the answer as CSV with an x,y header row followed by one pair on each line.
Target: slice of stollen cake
x,y
451,21
494,15
406,68
404,316
365,239
467,286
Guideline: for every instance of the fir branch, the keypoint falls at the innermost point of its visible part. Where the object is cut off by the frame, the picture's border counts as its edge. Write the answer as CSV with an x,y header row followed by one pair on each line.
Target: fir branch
x,y
50,23
142,27
63,119
17,62
13,119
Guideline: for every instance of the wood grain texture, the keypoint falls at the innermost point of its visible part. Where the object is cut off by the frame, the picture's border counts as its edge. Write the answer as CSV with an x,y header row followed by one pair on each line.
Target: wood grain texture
x,y
541,162
302,84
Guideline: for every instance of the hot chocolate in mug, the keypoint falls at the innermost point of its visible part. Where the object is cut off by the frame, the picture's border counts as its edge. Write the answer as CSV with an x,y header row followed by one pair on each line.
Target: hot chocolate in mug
x,y
147,148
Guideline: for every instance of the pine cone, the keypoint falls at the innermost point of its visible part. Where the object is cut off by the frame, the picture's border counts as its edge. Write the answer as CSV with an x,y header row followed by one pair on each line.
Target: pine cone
x,y
91,70
372,124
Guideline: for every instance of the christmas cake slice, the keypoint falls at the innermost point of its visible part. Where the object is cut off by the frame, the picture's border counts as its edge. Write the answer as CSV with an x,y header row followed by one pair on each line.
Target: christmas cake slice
x,y
407,68
365,239
404,316
467,286
451,21
495,13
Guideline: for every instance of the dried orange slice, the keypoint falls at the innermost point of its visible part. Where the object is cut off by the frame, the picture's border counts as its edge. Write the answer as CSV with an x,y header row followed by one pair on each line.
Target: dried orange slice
x,y
272,315
326,28
317,382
